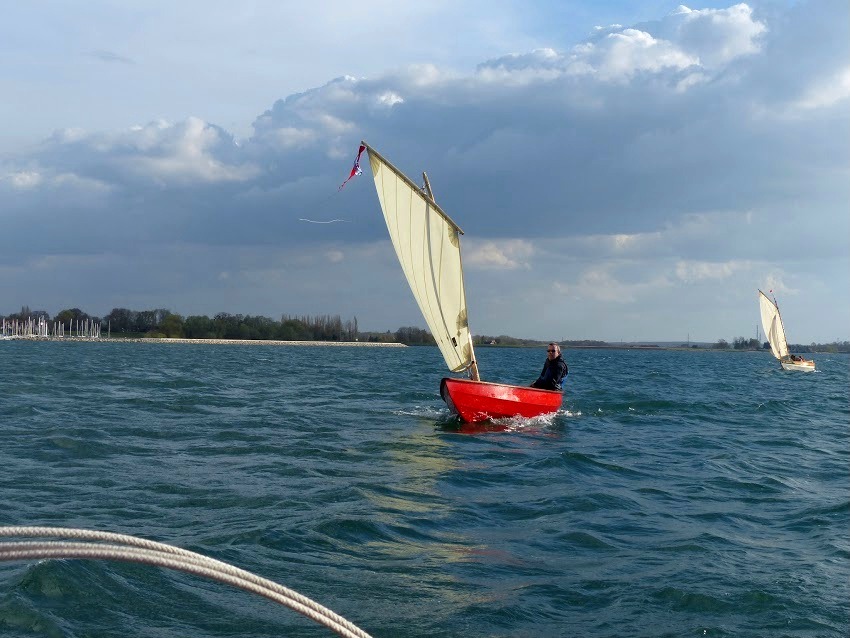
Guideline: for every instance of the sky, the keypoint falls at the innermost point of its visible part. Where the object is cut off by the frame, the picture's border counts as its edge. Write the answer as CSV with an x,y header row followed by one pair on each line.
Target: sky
x,y
622,171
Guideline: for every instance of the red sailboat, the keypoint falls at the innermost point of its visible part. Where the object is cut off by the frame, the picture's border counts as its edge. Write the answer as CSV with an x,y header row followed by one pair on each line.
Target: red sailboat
x,y
427,243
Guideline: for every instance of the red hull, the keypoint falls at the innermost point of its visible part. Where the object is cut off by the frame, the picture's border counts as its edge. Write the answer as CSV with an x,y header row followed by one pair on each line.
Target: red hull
x,y
478,400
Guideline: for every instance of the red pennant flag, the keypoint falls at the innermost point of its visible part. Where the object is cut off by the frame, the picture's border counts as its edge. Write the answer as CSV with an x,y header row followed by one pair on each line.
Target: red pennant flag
x,y
355,170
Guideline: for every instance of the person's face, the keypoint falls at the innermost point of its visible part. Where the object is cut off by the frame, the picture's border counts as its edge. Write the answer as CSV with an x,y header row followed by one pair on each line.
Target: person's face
x,y
551,352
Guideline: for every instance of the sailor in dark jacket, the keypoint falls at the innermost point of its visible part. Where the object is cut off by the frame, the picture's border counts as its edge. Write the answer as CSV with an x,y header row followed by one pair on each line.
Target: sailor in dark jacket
x,y
554,370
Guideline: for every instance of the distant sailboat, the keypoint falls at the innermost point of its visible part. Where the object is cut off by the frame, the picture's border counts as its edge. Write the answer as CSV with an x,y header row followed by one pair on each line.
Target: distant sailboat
x,y
774,331
427,243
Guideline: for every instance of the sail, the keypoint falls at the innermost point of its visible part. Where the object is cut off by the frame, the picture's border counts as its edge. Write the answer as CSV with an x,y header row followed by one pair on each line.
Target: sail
x,y
427,243
772,324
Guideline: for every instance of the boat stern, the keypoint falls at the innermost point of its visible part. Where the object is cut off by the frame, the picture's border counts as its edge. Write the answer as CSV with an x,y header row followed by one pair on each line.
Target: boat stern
x,y
801,365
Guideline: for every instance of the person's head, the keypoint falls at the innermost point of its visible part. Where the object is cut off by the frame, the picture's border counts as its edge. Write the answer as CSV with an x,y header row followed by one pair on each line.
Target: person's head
x,y
553,350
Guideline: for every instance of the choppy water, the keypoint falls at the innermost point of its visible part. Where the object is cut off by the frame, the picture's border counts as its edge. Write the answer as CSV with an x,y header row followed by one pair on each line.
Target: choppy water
x,y
677,493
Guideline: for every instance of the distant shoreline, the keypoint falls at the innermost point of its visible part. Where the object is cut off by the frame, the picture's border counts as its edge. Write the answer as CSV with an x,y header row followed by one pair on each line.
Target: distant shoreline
x,y
235,342
352,344
382,344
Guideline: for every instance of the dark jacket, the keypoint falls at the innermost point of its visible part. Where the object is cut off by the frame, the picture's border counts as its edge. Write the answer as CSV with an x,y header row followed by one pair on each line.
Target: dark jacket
x,y
553,374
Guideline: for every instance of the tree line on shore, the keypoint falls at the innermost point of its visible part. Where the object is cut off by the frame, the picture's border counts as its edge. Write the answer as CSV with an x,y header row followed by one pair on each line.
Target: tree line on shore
x,y
160,322
742,343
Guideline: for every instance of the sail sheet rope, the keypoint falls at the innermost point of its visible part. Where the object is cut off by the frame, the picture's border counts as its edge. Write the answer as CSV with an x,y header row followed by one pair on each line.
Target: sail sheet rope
x,y
92,544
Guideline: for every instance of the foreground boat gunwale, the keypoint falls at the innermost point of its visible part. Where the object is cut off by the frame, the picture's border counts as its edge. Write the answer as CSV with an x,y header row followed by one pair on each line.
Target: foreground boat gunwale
x,y
503,385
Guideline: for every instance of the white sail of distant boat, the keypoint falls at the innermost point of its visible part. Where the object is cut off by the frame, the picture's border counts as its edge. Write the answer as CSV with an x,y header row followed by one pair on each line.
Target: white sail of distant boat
x,y
774,331
427,243
771,322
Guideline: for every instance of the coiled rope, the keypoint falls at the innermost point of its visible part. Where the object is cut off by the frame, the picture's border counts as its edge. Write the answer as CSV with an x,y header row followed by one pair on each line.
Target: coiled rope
x,y
91,544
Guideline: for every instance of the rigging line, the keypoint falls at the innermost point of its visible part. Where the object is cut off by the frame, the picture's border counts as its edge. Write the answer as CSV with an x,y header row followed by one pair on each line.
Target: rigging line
x,y
318,206
122,547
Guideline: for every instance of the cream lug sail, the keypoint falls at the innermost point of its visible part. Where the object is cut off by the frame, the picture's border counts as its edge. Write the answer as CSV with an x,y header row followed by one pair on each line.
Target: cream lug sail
x,y
771,322
427,243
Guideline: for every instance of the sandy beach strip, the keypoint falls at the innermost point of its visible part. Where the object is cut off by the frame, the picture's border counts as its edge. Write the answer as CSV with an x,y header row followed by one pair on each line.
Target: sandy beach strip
x,y
262,342
223,342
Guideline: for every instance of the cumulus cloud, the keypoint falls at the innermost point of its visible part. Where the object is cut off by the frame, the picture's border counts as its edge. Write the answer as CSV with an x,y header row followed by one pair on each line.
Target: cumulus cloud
x,y
706,39
623,54
601,284
715,36
693,271
774,283
23,179
289,137
826,93
504,255
187,152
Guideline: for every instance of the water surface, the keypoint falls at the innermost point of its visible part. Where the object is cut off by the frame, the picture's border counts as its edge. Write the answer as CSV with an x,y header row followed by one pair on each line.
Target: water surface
x,y
677,493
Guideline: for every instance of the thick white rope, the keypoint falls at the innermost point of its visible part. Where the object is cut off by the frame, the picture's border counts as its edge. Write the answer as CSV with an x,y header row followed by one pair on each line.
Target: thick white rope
x,y
122,547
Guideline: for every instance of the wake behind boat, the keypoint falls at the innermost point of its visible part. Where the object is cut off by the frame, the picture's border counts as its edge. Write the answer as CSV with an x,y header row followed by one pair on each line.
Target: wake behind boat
x,y
771,322
427,243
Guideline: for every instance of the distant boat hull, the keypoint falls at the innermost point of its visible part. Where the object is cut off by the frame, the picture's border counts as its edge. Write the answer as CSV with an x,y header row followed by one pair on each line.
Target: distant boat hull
x,y
803,365
475,401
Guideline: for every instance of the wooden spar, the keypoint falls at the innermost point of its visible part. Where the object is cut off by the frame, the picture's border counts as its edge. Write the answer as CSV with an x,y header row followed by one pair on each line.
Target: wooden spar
x,y
410,183
428,186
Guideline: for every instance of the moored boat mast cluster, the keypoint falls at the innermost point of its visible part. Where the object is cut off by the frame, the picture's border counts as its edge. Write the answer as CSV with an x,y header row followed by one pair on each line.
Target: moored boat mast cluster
x,y
41,328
